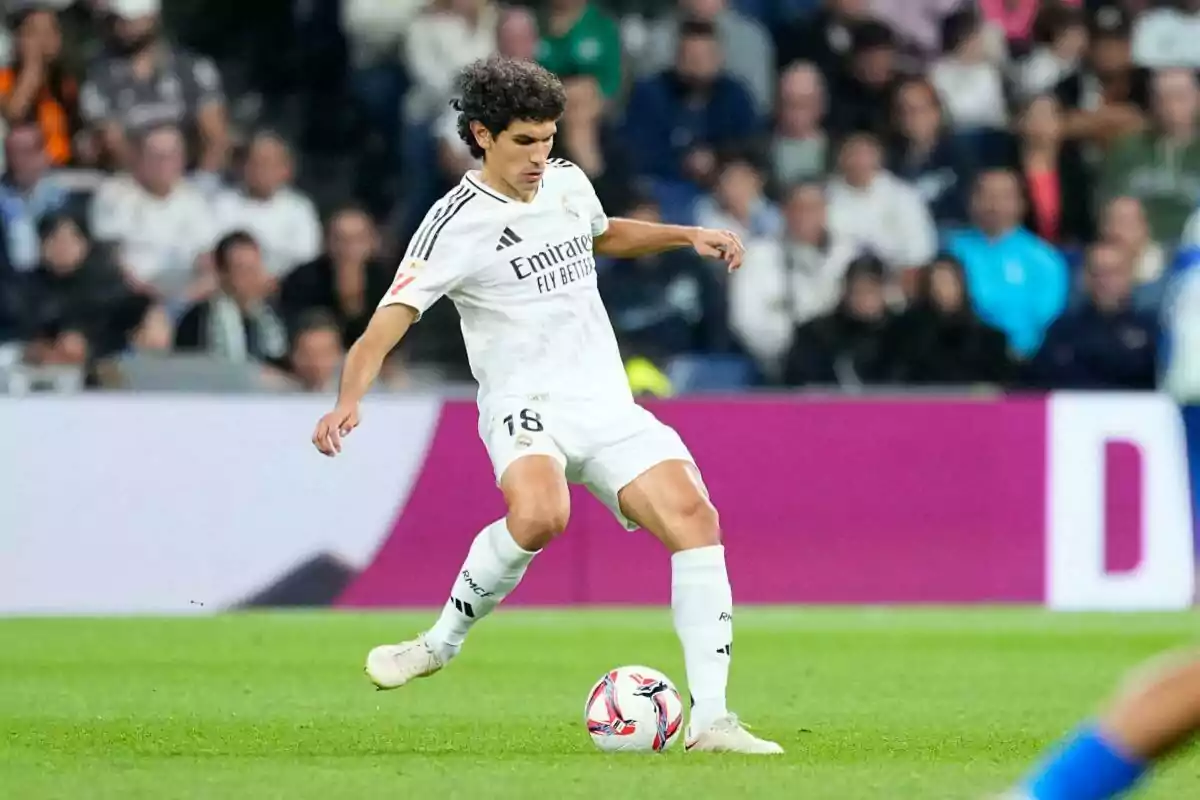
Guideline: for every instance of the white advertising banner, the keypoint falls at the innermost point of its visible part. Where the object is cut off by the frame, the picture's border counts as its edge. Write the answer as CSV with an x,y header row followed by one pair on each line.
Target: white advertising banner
x,y
185,504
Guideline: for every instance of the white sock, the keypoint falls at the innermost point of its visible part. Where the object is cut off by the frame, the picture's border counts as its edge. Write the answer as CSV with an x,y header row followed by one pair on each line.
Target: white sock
x,y
702,605
494,566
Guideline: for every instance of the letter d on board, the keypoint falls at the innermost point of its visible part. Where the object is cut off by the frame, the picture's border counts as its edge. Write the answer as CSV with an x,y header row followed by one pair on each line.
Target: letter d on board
x,y
1082,431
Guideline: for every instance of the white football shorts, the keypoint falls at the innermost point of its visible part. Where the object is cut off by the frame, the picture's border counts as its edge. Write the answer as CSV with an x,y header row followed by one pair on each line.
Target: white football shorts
x,y
601,445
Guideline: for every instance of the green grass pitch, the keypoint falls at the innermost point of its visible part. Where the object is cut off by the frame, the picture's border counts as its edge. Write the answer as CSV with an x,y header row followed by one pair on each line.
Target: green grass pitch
x,y
888,704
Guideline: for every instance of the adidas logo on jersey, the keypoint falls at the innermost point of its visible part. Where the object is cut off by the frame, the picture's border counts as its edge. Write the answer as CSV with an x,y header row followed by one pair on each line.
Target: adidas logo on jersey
x,y
507,239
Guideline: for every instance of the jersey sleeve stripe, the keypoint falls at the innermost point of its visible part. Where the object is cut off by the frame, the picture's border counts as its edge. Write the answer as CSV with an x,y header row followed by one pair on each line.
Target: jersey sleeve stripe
x,y
426,250
426,229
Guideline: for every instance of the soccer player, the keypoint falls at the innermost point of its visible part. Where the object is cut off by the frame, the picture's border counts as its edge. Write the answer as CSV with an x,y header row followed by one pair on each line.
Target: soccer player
x,y
512,246
1158,714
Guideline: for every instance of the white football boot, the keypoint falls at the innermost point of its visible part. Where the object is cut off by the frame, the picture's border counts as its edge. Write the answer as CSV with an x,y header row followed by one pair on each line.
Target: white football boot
x,y
728,735
390,666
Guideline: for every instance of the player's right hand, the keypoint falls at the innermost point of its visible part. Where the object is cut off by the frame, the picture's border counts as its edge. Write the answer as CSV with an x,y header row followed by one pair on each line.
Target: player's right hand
x,y
332,428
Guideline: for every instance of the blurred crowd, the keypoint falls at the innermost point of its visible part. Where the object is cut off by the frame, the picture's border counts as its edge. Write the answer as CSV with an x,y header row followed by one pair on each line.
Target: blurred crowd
x,y
933,192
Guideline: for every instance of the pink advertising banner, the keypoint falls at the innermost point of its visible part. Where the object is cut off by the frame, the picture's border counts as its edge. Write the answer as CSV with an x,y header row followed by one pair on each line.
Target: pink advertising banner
x,y
821,502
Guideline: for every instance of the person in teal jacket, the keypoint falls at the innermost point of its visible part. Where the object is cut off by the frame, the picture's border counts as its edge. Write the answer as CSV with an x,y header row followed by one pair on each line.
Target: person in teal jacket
x,y
1017,281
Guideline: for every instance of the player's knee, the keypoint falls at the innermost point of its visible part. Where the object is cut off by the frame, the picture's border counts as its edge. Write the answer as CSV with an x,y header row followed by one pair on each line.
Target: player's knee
x,y
696,523
534,523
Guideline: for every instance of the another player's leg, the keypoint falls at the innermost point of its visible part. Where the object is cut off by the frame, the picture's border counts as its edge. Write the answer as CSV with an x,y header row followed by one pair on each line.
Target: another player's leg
x,y
1157,714
669,501
535,490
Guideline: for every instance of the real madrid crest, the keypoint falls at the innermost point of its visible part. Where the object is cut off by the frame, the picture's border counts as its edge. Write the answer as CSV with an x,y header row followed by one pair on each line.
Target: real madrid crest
x,y
567,207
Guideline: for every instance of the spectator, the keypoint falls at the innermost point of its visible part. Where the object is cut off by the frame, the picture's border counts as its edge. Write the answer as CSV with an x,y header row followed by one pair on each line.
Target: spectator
x,y
1106,343
749,52
1017,281
738,203
375,29
375,32
799,147
77,305
1161,167
516,37
880,211
1124,226
1018,19
971,87
160,225
789,281
282,221
517,34
926,154
678,120
915,22
665,304
146,83
346,281
441,41
37,87
822,38
27,193
866,90
1168,36
586,138
580,39
941,341
317,353
237,323
1057,183
1110,97
848,347
1060,38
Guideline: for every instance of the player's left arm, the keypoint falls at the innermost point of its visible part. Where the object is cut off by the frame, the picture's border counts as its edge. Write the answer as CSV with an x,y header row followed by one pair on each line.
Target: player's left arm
x,y
630,238
619,237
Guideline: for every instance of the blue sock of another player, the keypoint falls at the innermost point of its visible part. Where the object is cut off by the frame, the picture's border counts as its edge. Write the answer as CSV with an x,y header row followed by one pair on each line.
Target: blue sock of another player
x,y
1086,766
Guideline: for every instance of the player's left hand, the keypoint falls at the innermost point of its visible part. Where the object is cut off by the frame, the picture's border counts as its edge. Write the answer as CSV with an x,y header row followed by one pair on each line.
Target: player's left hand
x,y
725,245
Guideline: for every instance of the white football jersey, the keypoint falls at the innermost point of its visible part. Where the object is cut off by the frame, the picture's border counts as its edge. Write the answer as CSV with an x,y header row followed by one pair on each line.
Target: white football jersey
x,y
523,278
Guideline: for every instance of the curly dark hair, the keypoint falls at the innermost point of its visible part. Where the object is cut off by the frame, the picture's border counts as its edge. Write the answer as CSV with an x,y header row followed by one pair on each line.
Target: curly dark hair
x,y
497,91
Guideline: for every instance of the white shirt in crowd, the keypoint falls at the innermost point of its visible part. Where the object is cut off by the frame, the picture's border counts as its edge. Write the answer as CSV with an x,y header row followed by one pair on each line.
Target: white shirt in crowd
x,y
158,238
286,226
783,284
1167,37
375,28
1040,72
439,44
972,94
523,278
888,217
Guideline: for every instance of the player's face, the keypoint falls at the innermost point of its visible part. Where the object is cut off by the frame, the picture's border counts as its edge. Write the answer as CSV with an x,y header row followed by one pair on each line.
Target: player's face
x,y
518,155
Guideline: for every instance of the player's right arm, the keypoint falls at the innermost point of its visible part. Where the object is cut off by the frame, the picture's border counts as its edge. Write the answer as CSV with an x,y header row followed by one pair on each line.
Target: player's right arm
x,y
438,259
363,362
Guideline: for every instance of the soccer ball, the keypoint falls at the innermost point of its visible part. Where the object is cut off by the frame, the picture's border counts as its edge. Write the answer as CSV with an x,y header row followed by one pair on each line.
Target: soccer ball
x,y
634,709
